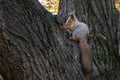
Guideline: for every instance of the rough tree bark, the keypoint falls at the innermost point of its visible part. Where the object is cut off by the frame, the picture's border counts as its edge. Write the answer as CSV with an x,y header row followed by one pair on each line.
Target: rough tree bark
x,y
34,46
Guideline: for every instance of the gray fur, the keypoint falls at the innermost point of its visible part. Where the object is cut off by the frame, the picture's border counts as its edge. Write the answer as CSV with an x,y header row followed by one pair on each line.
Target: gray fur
x,y
80,30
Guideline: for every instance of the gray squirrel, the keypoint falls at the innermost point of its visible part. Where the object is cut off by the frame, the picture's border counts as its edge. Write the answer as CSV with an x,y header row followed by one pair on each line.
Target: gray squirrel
x,y
80,34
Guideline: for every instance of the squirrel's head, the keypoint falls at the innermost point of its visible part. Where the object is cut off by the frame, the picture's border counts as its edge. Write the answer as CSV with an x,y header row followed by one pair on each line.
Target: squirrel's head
x,y
70,21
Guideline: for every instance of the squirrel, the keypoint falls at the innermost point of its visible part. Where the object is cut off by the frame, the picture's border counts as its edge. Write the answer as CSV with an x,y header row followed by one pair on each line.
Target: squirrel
x,y
80,34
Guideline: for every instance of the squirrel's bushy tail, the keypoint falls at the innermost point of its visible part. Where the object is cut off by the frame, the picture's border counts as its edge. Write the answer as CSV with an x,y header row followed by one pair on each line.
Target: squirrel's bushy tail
x,y
86,59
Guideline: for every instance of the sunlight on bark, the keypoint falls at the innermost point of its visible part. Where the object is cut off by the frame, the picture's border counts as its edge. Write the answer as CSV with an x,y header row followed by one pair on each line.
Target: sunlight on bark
x,y
1,77
50,5
117,4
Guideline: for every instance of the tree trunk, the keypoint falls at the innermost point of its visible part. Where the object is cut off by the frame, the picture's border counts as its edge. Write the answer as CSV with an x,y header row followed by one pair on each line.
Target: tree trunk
x,y
34,46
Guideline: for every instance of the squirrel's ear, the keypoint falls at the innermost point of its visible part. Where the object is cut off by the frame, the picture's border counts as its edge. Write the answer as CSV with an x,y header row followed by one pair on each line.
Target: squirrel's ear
x,y
72,16
73,12
69,14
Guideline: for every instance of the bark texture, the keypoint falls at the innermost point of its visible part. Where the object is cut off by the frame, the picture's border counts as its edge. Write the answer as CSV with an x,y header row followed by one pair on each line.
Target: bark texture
x,y
33,46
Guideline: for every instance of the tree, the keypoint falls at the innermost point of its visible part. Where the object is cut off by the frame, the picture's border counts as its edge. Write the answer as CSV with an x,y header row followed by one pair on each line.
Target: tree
x,y
35,46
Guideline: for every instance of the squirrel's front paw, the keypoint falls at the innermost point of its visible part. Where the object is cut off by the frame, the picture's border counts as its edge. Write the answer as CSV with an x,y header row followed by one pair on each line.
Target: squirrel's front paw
x,y
71,38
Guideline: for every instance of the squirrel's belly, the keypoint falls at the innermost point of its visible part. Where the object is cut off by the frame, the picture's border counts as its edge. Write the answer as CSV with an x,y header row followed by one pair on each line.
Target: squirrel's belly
x,y
81,33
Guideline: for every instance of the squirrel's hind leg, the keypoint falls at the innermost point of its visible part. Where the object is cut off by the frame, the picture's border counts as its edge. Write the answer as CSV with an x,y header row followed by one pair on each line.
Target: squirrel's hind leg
x,y
74,39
